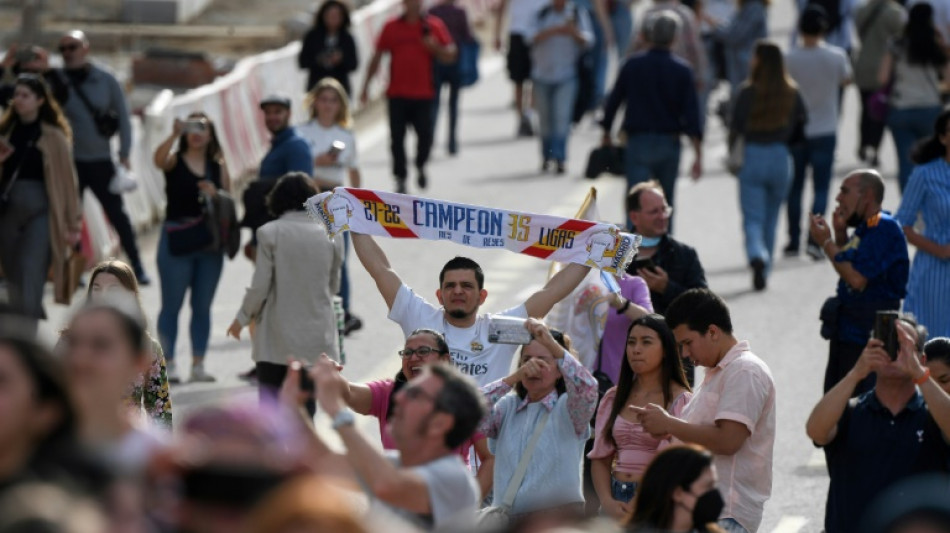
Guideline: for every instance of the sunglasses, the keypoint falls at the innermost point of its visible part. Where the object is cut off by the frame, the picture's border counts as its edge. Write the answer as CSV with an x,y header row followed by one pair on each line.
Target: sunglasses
x,y
68,47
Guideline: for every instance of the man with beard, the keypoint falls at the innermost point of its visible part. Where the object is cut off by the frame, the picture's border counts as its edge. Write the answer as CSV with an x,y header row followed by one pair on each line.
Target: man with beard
x,y
424,480
289,152
873,267
461,292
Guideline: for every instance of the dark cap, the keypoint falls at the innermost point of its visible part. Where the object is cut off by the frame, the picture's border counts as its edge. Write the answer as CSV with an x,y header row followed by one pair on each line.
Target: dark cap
x,y
276,98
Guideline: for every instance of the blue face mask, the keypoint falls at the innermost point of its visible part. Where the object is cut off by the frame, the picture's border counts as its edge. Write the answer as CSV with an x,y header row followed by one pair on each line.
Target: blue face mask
x,y
649,242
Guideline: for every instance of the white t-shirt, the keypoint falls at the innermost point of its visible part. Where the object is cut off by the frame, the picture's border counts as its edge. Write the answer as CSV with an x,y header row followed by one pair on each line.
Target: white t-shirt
x,y
320,139
471,352
522,15
819,72
453,494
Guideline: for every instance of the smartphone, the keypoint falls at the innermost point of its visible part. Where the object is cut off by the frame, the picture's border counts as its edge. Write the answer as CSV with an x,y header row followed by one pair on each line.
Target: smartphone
x,y
306,382
195,126
884,324
646,263
508,330
336,147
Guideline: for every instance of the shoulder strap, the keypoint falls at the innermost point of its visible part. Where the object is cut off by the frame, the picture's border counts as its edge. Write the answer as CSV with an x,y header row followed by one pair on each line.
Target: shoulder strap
x,y
82,96
522,469
863,29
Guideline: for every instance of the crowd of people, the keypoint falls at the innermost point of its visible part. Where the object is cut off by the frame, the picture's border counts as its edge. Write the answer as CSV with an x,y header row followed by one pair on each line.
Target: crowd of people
x,y
476,435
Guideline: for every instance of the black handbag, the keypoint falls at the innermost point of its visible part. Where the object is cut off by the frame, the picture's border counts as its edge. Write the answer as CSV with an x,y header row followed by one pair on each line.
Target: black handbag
x,y
830,310
605,159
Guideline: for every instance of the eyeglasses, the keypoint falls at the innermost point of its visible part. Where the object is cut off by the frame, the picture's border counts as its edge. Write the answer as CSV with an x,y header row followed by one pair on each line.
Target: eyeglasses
x,y
665,211
415,392
422,351
68,47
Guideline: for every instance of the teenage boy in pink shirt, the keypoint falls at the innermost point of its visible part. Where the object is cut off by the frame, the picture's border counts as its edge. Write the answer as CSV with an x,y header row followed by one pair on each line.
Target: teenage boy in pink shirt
x,y
732,413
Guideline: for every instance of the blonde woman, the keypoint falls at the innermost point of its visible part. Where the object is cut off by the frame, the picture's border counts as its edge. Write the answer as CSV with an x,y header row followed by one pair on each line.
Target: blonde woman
x,y
333,147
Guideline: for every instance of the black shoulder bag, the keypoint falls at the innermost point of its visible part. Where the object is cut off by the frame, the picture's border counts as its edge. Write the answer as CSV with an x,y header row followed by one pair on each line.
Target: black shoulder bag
x,y
107,121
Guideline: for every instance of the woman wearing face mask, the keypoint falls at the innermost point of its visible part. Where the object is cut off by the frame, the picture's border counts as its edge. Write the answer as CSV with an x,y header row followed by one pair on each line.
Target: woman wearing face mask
x,y
193,173
423,347
678,494
37,420
652,373
40,216
106,347
553,391
149,391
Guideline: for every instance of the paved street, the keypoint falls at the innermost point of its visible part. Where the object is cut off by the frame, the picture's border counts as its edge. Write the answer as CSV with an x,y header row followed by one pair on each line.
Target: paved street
x,y
493,168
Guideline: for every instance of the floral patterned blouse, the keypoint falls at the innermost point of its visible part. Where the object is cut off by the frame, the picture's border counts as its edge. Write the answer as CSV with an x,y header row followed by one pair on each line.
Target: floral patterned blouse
x,y
150,391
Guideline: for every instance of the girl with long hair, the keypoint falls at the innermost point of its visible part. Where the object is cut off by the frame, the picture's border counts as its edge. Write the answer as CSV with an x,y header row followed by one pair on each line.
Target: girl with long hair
x,y
651,374
928,195
549,387
149,391
917,67
333,148
768,115
193,173
40,214
678,494
329,49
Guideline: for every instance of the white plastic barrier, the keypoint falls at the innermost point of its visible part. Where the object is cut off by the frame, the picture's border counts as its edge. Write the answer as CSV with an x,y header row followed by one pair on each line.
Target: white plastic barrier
x,y
232,103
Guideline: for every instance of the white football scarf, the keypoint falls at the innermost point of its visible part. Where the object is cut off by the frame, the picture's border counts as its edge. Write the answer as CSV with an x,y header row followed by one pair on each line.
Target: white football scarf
x,y
386,214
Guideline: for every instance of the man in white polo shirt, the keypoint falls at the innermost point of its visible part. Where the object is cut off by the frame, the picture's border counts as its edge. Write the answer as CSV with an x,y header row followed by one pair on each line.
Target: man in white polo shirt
x,y
461,292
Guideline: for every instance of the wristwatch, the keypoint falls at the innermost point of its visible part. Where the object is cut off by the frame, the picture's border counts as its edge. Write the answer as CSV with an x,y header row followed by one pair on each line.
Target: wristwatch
x,y
343,418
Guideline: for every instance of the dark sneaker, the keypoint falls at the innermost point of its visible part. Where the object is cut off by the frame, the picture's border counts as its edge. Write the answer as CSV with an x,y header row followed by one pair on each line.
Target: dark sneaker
x,y
421,180
142,277
351,323
525,128
559,168
791,250
758,274
401,185
249,376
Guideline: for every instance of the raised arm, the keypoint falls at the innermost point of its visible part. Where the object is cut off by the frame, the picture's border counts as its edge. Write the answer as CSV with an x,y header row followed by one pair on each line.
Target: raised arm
x,y
938,402
555,290
375,262
163,157
822,425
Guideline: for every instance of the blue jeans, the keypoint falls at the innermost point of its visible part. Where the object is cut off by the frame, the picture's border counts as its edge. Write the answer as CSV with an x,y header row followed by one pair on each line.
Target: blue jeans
x,y
344,274
730,525
819,154
599,52
554,102
200,272
622,491
621,20
763,186
907,127
653,156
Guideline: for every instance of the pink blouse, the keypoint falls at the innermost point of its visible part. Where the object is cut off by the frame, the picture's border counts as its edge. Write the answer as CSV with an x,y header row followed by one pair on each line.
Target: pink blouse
x,y
635,447
380,390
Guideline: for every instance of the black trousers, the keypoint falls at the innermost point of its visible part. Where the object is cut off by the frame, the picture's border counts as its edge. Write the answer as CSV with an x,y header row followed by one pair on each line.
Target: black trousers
x,y
402,113
270,377
871,131
96,175
841,359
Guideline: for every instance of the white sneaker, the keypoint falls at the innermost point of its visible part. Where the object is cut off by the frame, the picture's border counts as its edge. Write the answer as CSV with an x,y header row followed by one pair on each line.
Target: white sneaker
x,y
171,372
198,375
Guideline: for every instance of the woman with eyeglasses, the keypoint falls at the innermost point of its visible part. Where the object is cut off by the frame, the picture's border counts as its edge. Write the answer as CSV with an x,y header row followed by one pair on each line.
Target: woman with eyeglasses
x,y
194,172
423,347
553,390
40,214
290,298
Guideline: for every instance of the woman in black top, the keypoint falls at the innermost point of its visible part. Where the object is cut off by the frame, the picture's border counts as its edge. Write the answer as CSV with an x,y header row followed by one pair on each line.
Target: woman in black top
x,y
40,218
328,48
193,173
